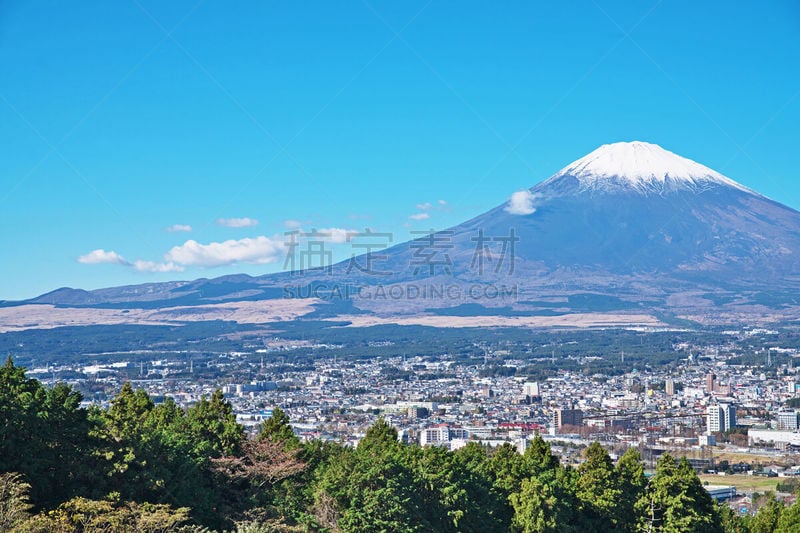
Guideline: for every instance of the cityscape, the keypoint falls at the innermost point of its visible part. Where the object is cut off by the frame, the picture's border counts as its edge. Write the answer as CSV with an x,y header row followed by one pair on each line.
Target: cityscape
x,y
706,406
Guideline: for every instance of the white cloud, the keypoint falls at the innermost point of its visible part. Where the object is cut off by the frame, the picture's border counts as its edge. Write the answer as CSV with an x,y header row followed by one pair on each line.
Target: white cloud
x,y
292,224
259,250
150,266
521,203
420,216
244,222
442,202
335,235
424,206
102,256
178,227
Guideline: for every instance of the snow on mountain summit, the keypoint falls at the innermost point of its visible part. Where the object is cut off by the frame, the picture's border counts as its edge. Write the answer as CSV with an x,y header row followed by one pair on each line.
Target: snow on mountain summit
x,y
642,167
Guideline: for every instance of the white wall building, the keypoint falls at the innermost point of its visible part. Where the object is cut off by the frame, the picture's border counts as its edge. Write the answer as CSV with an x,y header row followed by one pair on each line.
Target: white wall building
x,y
720,417
770,435
531,388
441,435
787,420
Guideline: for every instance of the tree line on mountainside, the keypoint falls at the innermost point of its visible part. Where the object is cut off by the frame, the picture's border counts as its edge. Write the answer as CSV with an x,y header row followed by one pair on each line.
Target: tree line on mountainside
x,y
140,467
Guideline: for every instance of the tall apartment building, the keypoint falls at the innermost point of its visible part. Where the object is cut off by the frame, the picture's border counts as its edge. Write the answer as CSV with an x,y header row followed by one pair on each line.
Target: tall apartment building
x,y
720,417
711,383
787,420
531,388
441,435
567,417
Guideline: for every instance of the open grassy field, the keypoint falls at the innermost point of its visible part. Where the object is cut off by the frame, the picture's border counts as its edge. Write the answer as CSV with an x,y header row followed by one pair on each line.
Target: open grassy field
x,y
743,483
765,458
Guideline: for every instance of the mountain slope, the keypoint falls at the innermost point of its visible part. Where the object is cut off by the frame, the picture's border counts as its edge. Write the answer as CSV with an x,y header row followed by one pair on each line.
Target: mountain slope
x,y
629,226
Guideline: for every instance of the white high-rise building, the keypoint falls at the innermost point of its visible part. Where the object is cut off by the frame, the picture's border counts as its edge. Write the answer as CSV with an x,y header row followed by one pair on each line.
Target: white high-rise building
x,y
441,435
531,388
715,419
787,420
729,412
720,417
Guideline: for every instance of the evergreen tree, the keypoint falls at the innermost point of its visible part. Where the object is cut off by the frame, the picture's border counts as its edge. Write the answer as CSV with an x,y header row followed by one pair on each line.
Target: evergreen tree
x,y
453,497
789,521
380,487
632,482
768,516
539,457
675,500
213,427
598,490
278,428
539,508
43,435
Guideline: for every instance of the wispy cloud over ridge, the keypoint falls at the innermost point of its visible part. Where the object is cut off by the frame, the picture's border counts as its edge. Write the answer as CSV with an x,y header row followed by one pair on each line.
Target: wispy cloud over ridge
x,y
175,228
151,266
243,222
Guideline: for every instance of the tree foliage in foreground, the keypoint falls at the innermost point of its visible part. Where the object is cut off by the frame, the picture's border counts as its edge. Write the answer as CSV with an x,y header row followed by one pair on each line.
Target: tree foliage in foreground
x,y
141,467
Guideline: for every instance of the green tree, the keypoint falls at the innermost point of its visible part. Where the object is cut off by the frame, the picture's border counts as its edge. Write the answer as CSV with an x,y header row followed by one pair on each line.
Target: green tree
x,y
381,438
80,515
538,508
539,457
454,498
159,454
632,482
330,491
768,516
675,500
372,488
789,522
124,445
493,512
43,435
545,499
213,427
278,428
598,489
508,469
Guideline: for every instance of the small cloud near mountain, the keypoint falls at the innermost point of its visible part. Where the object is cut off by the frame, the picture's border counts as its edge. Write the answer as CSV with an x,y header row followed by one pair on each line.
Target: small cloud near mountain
x,y
521,203
244,222
425,209
176,228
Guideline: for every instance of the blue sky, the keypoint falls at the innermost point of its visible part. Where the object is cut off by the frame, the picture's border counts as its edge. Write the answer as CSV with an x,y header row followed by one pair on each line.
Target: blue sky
x,y
241,121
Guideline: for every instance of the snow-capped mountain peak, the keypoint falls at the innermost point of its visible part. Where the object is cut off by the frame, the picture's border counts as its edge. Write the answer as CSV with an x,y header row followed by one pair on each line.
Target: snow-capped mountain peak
x,y
641,167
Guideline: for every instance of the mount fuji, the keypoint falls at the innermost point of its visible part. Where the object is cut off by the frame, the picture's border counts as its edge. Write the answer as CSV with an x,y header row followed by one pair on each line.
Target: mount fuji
x,y
630,233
